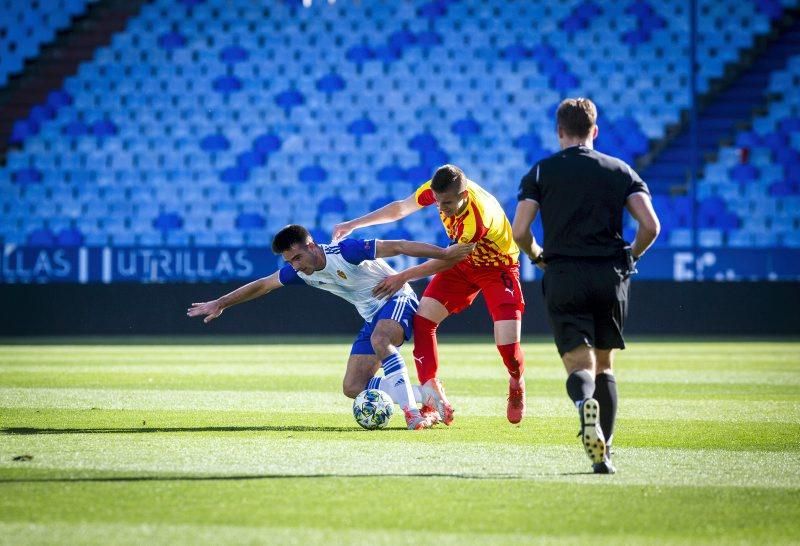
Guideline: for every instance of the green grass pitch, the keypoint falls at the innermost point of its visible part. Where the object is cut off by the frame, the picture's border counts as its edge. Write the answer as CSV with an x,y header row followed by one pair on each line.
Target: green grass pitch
x,y
248,443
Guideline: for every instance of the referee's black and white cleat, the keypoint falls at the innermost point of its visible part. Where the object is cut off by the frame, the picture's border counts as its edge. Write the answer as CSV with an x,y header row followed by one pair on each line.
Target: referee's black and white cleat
x,y
606,467
591,434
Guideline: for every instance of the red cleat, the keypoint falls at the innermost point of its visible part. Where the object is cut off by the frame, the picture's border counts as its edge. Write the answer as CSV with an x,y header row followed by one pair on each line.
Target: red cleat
x,y
415,420
516,400
433,396
430,413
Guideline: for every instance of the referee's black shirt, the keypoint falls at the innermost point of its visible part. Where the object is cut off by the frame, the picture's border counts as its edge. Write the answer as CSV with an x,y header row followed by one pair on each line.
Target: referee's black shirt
x,y
581,194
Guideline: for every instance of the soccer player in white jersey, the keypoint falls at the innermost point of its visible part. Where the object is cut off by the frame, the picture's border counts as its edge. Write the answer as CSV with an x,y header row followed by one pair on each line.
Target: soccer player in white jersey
x,y
351,269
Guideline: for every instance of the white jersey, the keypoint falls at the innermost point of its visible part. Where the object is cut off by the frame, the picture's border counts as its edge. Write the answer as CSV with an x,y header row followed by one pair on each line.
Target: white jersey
x,y
351,272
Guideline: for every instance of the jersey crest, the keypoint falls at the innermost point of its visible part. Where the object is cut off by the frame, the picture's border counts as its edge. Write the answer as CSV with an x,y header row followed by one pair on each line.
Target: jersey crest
x,y
341,274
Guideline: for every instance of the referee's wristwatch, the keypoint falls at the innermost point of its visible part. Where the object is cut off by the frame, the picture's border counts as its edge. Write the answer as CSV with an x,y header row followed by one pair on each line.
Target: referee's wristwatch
x,y
538,259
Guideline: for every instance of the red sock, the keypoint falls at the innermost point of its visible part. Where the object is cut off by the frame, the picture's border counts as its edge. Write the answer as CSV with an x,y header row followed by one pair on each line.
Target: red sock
x,y
513,358
425,352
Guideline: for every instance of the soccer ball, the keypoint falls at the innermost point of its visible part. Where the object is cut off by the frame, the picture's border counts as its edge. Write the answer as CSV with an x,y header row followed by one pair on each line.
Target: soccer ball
x,y
373,409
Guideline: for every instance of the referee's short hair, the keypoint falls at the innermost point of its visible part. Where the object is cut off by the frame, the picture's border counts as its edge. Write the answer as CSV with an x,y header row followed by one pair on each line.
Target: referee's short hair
x,y
576,117
288,236
447,178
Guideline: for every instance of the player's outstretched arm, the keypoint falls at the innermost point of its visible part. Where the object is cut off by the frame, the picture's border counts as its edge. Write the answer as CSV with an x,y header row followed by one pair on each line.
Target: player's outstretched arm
x,y
387,249
389,213
214,308
641,208
393,283
521,228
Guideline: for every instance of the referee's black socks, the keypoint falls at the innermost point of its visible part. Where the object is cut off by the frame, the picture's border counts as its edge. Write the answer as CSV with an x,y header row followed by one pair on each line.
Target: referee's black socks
x,y
605,392
580,386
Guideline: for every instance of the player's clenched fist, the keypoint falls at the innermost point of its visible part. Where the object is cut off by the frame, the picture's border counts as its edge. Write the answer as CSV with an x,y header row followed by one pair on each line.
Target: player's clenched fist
x,y
209,309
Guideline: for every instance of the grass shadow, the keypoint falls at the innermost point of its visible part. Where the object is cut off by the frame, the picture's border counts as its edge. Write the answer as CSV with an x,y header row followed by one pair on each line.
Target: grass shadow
x,y
112,479
266,428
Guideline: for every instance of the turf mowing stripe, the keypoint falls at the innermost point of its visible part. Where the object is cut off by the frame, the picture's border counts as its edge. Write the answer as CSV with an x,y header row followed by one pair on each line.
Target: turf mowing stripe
x,y
471,372
298,402
134,534
176,456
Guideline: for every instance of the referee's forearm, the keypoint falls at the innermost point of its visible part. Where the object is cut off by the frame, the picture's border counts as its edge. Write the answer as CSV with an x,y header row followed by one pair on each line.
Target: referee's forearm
x,y
527,244
643,240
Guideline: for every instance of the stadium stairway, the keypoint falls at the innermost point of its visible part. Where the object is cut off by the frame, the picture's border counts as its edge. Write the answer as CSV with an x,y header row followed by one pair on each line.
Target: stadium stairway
x,y
737,98
31,92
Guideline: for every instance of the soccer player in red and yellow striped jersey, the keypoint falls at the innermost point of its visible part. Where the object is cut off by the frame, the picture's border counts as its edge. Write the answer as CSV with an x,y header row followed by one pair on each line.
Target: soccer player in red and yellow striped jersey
x,y
482,221
470,215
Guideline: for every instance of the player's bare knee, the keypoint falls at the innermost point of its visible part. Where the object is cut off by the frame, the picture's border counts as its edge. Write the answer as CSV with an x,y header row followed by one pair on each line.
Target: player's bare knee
x,y
581,358
605,361
351,389
381,343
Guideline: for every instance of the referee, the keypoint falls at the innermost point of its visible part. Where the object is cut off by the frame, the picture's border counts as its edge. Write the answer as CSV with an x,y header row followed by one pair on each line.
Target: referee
x,y
586,262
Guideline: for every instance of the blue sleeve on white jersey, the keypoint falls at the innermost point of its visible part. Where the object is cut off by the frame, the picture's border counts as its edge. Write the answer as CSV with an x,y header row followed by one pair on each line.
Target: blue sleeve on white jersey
x,y
287,275
356,251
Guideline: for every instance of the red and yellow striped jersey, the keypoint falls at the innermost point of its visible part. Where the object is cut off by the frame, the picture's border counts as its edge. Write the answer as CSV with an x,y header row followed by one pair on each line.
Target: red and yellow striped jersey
x,y
483,221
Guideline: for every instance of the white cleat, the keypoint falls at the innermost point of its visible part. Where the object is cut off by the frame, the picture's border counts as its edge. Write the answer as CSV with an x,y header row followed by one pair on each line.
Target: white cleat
x,y
591,434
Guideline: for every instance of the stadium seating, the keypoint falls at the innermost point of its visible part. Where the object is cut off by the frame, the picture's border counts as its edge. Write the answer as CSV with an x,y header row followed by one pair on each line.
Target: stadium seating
x,y
756,177
215,122
25,26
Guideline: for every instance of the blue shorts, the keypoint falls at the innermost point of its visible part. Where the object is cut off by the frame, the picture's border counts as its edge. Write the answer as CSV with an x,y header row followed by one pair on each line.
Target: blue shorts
x,y
400,308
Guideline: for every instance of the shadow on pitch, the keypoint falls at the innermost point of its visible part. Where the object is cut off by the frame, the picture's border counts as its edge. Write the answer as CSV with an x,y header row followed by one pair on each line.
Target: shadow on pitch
x,y
112,479
143,430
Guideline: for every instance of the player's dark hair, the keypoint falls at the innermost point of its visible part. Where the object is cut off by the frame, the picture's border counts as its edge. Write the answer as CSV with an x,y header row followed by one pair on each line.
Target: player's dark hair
x,y
288,236
576,117
447,178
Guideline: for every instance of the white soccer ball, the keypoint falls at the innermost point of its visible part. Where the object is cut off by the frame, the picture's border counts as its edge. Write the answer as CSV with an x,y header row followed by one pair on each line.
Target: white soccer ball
x,y
372,409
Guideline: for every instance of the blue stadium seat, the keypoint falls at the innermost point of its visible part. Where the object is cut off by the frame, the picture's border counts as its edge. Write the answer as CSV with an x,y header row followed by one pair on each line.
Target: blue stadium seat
x,y
312,174
171,40
330,83
233,54
362,126
216,142
41,237
466,127
267,143
168,221
227,84
234,175
359,54
250,220
291,98
332,204
391,174
30,175
69,237
104,128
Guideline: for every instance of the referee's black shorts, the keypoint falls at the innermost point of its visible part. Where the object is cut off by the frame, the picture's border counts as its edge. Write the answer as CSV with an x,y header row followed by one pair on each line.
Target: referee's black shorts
x,y
587,302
